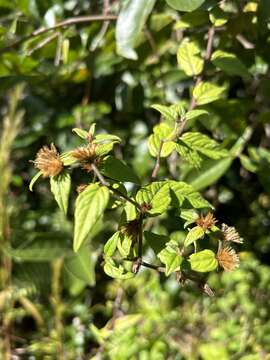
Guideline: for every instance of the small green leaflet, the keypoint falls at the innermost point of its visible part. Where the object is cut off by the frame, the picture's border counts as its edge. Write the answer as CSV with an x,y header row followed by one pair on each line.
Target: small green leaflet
x,y
193,114
34,179
111,245
157,195
161,133
194,234
203,261
188,58
170,113
218,17
185,5
206,92
116,272
170,257
81,133
89,206
60,187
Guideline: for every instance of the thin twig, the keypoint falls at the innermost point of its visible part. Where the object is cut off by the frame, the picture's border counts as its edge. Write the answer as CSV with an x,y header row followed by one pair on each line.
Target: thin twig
x,y
42,43
116,192
61,24
157,164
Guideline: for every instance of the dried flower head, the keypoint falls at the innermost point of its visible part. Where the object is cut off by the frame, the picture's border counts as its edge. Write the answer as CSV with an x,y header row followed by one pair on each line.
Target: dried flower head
x,y
206,222
48,161
231,234
131,229
86,155
227,258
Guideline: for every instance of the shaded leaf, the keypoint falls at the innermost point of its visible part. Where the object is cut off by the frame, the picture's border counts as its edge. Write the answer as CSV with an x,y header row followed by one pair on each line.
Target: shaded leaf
x,y
60,187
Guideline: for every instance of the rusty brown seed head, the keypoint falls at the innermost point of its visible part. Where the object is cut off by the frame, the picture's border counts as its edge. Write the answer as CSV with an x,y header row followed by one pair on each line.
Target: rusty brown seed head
x,y
231,234
48,161
86,155
227,258
131,229
206,222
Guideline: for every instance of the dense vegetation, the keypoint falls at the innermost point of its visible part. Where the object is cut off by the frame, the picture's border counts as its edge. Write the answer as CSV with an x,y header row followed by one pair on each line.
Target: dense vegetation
x,y
135,181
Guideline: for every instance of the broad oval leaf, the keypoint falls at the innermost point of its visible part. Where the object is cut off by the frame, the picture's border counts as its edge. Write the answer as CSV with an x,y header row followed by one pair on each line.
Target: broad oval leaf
x,y
185,5
189,59
194,234
203,261
206,92
89,206
156,195
60,187
130,22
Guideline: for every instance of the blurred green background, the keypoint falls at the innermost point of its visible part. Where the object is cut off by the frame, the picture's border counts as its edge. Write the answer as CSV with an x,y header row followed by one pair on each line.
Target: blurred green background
x,y
58,305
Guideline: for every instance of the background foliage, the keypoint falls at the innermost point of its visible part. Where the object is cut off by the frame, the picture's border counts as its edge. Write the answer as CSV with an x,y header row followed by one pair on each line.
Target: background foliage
x,y
59,305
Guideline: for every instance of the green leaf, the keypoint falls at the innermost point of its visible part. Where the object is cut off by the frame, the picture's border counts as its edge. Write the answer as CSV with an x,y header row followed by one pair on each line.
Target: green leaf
x,y
89,207
81,133
156,242
111,245
185,5
203,144
188,59
206,92
156,195
229,63
118,170
185,192
190,215
171,258
203,261
105,138
192,145
170,113
34,179
193,114
190,20
194,234
82,265
130,22
60,187
161,133
116,272
218,17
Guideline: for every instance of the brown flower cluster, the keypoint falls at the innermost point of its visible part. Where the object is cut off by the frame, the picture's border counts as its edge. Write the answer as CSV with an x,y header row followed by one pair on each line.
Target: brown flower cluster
x,y
206,222
48,161
86,155
131,229
230,234
227,258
